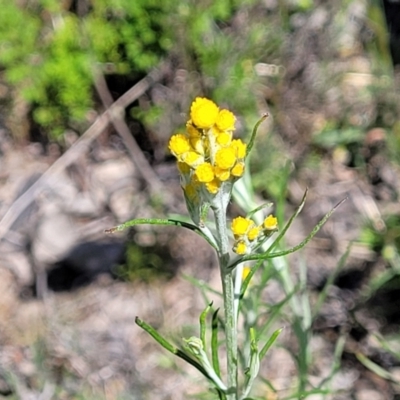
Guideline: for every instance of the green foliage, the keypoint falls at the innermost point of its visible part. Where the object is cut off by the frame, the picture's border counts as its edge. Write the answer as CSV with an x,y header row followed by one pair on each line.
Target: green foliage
x,y
385,242
225,49
143,264
379,240
245,358
329,138
48,53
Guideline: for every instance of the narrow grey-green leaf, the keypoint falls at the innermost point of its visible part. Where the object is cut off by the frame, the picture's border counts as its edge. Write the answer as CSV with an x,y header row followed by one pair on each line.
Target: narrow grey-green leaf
x,y
203,326
161,221
214,343
254,134
270,342
171,348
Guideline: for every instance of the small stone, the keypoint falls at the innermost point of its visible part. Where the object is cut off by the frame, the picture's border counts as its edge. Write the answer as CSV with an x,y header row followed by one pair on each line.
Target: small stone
x,y
369,394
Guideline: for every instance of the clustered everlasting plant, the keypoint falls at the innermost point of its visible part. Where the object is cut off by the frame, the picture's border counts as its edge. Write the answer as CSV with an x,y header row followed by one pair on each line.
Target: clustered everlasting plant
x,y
210,161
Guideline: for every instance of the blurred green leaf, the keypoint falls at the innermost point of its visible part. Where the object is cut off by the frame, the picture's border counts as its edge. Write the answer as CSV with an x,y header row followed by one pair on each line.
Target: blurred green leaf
x,y
335,137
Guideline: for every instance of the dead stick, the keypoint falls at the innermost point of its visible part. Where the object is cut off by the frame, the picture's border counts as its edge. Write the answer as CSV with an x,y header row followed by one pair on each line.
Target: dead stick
x,y
117,119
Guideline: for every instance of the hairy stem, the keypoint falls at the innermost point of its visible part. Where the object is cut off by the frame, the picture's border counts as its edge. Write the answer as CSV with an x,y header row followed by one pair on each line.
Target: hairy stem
x,y
229,302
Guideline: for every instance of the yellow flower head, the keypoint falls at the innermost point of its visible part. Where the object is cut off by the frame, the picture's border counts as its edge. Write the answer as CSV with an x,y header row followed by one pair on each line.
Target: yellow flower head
x,y
208,158
240,148
224,138
204,173
179,144
203,113
253,233
222,174
225,121
225,158
240,248
238,170
270,223
240,225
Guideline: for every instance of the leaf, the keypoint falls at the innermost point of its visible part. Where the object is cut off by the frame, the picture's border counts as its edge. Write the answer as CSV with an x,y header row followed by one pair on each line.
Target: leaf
x,y
254,133
375,368
269,343
259,208
308,238
289,223
330,280
331,138
168,346
254,363
203,317
168,222
214,343
238,260
268,255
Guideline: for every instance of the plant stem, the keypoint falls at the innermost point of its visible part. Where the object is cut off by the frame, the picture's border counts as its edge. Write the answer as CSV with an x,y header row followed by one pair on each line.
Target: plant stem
x,y
230,333
229,302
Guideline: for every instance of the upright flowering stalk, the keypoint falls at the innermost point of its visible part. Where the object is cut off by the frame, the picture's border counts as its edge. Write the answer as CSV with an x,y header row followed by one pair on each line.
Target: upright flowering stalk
x,y
210,161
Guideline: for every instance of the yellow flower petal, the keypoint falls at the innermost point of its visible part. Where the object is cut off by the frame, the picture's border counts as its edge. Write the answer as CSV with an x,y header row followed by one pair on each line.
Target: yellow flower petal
x,y
179,144
240,248
225,121
270,223
225,158
240,225
253,233
204,173
224,138
203,113
238,170
192,158
222,174
240,148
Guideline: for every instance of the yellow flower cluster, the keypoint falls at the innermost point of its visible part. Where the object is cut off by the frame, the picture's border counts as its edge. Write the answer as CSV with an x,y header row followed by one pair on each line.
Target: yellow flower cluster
x,y
206,153
247,234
